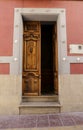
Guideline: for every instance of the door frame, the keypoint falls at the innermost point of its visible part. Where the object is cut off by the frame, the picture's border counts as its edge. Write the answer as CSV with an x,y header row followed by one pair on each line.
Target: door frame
x,y
39,14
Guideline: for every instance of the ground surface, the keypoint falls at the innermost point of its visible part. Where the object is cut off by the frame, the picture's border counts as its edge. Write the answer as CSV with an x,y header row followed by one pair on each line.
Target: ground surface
x,y
61,121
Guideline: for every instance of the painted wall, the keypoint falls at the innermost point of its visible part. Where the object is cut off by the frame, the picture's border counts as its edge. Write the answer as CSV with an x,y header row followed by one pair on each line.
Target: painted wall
x,y
74,13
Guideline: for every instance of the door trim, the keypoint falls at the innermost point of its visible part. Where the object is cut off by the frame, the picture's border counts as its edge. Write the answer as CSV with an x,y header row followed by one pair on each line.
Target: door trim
x,y
41,14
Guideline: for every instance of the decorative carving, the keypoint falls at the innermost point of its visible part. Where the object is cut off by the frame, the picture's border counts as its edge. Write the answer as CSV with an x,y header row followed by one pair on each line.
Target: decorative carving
x,y
31,50
30,59
31,36
30,74
31,83
31,26
31,41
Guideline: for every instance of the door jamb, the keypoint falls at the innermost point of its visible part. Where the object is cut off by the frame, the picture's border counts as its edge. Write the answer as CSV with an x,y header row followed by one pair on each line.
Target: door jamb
x,y
54,14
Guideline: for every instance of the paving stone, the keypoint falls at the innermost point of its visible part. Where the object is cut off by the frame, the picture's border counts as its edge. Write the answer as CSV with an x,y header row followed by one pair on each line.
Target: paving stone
x,y
67,120
43,123
53,116
55,122
42,117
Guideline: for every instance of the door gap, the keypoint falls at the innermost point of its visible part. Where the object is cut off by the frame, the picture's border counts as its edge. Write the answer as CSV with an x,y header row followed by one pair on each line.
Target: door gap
x,y
47,74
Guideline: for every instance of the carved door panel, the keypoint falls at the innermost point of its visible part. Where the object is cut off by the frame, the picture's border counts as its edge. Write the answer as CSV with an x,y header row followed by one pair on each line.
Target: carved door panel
x,y
55,59
31,59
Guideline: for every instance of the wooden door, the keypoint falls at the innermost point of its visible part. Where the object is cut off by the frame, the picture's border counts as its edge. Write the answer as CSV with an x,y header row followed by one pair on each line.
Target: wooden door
x,y
55,59
31,59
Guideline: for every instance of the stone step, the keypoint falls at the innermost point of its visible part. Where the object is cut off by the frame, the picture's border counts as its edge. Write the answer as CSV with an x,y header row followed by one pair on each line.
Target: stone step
x,y
53,98
39,107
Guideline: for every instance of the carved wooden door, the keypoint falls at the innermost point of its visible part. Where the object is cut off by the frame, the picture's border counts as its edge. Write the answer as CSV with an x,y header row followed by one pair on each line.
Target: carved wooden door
x,y
31,59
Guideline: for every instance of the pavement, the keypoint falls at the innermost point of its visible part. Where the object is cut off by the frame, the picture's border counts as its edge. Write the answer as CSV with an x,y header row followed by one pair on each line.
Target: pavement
x,y
59,121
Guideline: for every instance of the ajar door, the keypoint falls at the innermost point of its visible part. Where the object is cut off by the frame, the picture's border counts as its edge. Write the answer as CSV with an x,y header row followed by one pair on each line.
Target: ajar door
x,y
31,59
55,58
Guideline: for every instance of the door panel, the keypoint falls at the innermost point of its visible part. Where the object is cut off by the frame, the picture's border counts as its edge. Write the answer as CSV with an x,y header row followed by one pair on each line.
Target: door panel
x,y
55,59
31,58
31,55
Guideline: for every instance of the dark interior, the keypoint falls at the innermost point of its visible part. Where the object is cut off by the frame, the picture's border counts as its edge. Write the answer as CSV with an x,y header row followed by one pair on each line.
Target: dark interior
x,y
47,78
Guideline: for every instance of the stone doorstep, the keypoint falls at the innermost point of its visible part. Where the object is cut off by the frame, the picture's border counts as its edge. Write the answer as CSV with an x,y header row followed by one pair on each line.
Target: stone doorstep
x,y
53,98
40,104
39,107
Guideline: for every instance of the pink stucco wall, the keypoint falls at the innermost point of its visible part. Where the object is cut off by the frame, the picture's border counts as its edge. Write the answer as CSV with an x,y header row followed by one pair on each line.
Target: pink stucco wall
x,y
76,68
74,22
4,68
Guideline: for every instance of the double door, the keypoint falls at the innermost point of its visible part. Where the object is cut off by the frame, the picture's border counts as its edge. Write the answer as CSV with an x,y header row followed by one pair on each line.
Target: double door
x,y
40,59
